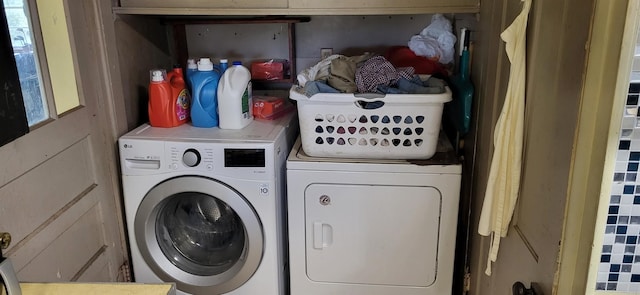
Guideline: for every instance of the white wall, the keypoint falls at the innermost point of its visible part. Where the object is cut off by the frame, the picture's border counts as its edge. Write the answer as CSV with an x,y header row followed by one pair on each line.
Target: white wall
x,y
349,35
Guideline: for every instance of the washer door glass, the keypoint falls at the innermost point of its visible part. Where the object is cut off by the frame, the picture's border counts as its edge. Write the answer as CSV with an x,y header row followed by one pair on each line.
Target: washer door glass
x,y
199,233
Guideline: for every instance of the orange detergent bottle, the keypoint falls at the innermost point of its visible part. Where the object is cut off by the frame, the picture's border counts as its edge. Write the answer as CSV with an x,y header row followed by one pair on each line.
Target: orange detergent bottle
x,y
169,99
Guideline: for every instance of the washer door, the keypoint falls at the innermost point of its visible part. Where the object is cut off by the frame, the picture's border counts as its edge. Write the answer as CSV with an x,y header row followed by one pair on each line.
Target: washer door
x,y
200,234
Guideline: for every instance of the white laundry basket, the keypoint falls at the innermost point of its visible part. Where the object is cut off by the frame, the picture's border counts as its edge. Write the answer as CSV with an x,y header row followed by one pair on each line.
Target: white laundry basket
x,y
392,126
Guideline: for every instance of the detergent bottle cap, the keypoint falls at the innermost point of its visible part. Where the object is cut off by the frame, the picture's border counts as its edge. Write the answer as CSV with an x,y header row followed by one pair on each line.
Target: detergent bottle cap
x,y
237,63
191,64
158,75
205,64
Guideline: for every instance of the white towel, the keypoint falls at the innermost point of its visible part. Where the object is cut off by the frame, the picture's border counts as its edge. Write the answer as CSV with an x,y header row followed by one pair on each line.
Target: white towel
x,y
504,177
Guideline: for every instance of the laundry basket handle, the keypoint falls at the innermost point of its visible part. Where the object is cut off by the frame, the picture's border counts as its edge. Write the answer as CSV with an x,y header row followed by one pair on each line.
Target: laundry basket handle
x,y
368,95
369,105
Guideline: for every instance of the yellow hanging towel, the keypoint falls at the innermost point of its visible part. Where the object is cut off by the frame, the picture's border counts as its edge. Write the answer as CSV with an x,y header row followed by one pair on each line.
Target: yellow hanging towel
x,y
504,177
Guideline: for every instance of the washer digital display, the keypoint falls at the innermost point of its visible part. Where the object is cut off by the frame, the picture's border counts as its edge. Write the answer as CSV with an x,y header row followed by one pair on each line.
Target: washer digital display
x,y
244,158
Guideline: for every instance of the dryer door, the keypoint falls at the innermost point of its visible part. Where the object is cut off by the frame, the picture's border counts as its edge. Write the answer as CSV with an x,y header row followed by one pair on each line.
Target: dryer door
x,y
372,234
199,233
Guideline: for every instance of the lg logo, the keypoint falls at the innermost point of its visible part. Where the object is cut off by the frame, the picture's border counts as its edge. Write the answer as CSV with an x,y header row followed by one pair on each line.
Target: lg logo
x,y
128,146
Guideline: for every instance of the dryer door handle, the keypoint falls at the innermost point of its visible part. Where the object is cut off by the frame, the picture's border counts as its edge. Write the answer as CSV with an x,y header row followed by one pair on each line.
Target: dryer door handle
x,y
322,235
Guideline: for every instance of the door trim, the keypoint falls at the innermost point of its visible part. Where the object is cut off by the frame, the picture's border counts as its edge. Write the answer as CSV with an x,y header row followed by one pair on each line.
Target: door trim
x,y
602,99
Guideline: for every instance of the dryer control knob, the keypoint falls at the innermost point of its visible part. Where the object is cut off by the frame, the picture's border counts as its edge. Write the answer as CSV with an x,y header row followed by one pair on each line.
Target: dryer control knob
x,y
191,158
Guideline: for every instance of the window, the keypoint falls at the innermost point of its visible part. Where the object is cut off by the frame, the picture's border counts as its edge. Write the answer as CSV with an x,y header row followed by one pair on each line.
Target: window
x,y
33,51
12,112
26,57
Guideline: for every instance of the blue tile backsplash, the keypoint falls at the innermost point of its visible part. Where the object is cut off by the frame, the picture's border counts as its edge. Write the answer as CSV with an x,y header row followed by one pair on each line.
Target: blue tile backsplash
x,y
619,268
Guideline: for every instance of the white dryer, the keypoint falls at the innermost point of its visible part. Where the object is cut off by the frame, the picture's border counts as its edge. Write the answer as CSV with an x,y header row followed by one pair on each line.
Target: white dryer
x,y
372,227
204,206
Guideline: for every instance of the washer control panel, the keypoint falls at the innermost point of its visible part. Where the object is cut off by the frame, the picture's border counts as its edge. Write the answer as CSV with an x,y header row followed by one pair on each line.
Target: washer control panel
x,y
186,156
246,161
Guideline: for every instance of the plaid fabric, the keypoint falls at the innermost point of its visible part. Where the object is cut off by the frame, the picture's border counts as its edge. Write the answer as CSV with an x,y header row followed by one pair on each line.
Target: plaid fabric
x,y
379,71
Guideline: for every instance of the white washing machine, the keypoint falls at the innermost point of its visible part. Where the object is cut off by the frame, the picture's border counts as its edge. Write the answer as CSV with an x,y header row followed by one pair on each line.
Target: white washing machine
x,y
372,227
204,206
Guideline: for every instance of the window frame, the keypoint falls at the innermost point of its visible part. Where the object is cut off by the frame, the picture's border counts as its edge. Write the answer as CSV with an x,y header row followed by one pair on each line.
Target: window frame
x,y
38,49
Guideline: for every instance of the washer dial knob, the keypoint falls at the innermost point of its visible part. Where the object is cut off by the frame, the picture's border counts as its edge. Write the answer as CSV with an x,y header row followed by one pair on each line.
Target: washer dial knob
x,y
191,157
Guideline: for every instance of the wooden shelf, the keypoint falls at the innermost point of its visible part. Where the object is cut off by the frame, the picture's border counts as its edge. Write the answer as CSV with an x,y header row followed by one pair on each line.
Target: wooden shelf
x,y
291,11
235,20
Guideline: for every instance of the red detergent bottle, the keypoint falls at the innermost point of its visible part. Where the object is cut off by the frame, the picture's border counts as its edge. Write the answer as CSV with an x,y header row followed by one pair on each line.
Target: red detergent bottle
x,y
169,99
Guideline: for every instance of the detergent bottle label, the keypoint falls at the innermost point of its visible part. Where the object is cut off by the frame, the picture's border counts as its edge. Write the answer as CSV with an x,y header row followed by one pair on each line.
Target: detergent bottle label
x,y
182,104
246,102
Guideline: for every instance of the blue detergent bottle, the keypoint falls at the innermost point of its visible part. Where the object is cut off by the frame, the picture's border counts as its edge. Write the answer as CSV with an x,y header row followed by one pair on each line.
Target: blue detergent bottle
x,y
204,108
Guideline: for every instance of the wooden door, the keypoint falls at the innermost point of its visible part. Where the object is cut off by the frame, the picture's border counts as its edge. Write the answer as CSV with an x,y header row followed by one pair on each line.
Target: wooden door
x,y
59,195
556,37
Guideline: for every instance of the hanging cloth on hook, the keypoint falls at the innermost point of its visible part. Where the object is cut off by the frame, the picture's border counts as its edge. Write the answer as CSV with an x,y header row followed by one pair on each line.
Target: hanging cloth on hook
x,y
504,176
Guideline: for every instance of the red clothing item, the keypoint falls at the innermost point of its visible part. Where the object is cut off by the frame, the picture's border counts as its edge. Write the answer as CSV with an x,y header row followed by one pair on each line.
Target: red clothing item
x,y
402,56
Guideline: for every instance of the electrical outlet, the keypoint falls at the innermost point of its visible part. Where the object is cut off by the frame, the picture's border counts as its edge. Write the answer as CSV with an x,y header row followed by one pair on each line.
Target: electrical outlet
x,y
326,52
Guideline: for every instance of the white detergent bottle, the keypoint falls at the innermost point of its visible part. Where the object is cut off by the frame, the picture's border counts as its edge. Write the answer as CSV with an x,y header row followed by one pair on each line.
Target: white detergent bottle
x,y
234,98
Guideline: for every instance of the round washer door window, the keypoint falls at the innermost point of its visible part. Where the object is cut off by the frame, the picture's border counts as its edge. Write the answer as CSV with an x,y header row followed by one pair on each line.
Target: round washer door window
x,y
199,233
